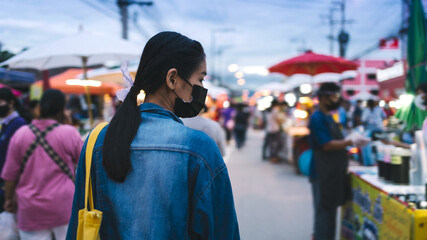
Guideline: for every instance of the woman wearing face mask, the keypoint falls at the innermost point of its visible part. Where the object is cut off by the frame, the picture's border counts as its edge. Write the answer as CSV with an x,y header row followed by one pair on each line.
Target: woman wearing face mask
x,y
153,177
11,121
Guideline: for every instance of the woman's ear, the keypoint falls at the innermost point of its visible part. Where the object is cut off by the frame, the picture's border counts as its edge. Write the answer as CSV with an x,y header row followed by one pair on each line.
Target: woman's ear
x,y
171,78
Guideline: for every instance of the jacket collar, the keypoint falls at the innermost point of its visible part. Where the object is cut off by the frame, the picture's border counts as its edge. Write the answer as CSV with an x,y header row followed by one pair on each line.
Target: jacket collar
x,y
154,108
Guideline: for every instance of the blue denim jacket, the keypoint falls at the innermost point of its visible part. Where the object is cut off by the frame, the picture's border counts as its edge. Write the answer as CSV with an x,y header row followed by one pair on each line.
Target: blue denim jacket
x,y
178,188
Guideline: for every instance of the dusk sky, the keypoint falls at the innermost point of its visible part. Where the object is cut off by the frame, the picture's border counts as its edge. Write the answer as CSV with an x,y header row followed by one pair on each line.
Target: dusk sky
x,y
261,32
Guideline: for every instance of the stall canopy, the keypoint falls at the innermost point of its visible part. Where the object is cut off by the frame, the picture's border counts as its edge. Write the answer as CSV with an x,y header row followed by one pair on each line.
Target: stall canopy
x,y
16,76
68,82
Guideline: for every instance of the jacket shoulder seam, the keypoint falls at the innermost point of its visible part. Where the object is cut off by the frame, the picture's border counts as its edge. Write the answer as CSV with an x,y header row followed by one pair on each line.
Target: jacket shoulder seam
x,y
218,170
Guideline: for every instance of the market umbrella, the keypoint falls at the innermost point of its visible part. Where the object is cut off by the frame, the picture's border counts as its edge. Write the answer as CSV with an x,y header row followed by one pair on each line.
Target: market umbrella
x,y
312,64
416,58
79,50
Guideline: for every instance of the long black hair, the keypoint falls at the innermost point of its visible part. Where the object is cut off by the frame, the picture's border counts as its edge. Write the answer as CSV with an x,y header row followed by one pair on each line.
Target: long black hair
x,y
162,52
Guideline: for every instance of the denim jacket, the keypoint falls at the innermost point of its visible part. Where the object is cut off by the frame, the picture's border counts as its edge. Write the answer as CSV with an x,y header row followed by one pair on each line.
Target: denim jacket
x,y
178,188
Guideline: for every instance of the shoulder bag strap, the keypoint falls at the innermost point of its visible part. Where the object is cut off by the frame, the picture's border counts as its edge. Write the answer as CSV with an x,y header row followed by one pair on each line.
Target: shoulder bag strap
x,y
88,158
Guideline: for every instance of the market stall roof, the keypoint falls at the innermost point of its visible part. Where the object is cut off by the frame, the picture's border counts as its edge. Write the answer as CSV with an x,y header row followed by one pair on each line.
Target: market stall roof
x,y
69,83
16,76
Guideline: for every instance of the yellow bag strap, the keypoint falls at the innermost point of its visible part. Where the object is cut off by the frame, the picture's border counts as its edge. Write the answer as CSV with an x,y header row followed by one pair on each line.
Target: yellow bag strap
x,y
89,152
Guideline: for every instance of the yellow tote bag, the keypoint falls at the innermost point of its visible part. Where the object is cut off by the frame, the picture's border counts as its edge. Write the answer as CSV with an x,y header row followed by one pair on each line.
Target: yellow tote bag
x,y
90,219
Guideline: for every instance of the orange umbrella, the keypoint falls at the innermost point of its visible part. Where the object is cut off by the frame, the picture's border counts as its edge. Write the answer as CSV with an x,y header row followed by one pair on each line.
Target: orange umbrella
x,y
67,83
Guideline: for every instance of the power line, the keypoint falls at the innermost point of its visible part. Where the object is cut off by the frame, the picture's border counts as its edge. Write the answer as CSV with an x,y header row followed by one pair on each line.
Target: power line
x,y
95,7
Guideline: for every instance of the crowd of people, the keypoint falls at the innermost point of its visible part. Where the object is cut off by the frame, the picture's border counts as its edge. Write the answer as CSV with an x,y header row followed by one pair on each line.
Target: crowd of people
x,y
150,161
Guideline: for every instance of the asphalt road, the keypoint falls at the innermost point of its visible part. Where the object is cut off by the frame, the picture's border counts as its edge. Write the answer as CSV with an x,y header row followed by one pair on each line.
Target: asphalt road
x,y
272,202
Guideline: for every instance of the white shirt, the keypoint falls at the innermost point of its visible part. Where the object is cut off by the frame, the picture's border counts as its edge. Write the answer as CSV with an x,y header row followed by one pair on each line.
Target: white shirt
x,y
273,119
210,127
373,119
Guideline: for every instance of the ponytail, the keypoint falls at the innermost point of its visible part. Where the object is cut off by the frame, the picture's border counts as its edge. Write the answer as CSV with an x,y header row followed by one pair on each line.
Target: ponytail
x,y
120,133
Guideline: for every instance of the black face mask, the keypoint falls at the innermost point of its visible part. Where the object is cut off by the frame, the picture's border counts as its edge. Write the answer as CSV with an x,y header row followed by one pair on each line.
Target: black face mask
x,y
191,109
4,110
332,106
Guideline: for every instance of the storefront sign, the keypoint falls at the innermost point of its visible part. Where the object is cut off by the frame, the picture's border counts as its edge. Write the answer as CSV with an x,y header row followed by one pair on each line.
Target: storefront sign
x,y
397,70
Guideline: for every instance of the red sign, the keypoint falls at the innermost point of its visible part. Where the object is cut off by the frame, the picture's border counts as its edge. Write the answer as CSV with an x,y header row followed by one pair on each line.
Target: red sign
x,y
391,43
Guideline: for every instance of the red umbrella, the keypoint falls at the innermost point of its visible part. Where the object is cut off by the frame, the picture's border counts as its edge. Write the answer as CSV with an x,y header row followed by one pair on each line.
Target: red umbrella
x,y
312,64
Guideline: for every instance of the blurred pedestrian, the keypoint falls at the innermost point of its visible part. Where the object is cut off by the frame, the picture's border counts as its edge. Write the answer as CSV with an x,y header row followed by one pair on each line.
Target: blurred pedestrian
x,y
274,120
357,114
39,170
10,123
373,116
328,170
241,122
208,126
154,177
227,122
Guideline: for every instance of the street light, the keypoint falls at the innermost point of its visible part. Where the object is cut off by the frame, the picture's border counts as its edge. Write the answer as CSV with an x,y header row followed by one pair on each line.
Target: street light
x,y
233,67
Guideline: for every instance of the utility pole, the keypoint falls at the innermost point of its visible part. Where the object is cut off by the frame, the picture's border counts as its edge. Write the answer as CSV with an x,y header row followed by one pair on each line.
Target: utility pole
x,y
331,28
343,36
123,7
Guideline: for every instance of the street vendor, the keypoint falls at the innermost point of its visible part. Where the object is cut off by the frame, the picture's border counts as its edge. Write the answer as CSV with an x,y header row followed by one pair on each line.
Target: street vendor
x,y
328,171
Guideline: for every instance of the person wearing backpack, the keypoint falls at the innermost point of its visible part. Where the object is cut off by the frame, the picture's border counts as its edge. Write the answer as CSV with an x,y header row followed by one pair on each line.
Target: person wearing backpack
x,y
39,171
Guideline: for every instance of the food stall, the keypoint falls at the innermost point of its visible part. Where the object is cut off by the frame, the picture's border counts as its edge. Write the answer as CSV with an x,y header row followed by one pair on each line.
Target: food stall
x,y
388,200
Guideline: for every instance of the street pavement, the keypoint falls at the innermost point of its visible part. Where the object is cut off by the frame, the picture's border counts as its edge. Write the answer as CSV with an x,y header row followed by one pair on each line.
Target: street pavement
x,y
272,201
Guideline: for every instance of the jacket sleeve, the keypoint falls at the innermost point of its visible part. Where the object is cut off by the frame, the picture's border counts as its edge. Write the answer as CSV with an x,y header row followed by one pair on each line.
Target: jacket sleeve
x,y
78,202
214,215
